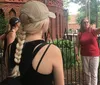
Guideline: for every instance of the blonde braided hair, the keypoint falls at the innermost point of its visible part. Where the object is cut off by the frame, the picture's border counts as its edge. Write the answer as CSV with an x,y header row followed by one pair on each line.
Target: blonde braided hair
x,y
19,46
21,39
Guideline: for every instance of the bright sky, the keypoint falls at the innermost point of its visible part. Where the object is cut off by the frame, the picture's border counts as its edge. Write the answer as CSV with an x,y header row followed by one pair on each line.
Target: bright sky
x,y
73,8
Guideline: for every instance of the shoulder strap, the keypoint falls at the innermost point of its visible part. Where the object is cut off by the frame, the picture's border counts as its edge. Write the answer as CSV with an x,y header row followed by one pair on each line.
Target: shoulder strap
x,y
37,49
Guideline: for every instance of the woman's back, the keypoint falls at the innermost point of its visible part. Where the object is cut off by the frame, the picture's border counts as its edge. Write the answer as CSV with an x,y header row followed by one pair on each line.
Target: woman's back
x,y
29,74
34,68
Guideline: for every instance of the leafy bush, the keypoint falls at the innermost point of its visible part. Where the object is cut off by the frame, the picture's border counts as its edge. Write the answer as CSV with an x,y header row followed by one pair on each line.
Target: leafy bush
x,y
3,23
67,49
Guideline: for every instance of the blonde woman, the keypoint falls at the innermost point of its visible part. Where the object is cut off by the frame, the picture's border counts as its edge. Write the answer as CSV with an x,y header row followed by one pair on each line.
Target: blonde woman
x,y
37,62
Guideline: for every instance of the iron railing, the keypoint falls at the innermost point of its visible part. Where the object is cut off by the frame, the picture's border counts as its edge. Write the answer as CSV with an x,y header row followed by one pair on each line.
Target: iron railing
x,y
72,69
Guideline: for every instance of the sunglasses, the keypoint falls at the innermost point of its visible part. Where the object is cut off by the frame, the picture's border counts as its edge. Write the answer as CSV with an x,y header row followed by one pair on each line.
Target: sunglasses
x,y
86,22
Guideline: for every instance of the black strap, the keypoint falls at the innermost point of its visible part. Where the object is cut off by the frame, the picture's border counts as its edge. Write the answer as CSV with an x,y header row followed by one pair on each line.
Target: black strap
x,y
42,57
37,49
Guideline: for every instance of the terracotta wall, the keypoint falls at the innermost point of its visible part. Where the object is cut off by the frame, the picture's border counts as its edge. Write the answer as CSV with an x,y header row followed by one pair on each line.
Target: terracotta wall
x,y
57,26
72,24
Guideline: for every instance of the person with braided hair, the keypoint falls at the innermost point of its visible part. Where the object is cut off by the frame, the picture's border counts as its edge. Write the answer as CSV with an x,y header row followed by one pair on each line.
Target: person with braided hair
x,y
35,62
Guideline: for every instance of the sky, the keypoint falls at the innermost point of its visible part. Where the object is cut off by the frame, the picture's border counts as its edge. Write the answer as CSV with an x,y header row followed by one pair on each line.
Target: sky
x,y
73,8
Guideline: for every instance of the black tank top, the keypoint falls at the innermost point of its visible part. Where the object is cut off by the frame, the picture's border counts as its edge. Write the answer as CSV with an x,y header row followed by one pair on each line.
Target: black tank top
x,y
30,76
5,43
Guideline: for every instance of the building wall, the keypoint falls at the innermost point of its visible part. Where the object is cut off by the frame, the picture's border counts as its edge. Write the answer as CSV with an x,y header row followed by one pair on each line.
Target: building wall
x,y
57,26
7,5
72,24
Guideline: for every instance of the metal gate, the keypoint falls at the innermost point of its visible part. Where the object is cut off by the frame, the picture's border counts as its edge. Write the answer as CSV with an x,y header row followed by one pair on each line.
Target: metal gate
x,y
72,69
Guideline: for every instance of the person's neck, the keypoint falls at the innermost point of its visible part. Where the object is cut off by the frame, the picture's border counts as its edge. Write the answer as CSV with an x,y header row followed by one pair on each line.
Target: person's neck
x,y
33,37
85,29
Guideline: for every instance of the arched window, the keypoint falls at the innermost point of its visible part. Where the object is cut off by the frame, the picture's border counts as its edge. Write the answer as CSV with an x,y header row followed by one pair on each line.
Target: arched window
x,y
2,12
12,13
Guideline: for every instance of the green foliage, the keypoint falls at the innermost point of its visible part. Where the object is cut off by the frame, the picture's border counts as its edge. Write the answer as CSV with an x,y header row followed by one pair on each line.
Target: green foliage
x,y
3,24
84,10
67,49
80,16
81,2
65,3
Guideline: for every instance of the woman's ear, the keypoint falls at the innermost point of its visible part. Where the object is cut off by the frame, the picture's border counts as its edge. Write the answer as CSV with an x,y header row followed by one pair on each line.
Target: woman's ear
x,y
18,24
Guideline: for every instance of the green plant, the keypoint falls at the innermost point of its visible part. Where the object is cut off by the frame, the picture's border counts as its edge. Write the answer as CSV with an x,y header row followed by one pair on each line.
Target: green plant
x,y
3,23
67,49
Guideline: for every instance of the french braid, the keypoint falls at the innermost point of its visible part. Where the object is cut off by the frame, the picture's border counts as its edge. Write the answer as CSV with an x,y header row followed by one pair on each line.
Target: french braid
x,y
19,46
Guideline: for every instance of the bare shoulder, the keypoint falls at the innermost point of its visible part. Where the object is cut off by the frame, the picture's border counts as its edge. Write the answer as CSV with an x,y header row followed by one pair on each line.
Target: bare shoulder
x,y
57,64
11,37
11,34
55,49
54,53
